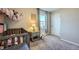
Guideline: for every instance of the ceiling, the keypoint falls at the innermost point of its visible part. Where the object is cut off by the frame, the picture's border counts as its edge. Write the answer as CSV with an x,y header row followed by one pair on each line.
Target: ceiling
x,y
49,9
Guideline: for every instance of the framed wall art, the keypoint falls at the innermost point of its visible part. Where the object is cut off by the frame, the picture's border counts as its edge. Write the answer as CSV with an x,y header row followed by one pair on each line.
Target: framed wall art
x,y
1,27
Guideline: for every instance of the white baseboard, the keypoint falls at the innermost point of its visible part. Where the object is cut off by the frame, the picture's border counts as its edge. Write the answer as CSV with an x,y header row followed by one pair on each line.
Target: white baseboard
x,y
70,42
74,43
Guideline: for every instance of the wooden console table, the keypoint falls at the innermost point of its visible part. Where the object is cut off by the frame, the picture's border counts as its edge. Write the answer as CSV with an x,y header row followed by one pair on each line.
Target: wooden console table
x,y
34,36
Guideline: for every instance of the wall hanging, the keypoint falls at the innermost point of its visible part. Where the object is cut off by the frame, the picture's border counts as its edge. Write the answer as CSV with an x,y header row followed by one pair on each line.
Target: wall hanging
x,y
12,14
1,27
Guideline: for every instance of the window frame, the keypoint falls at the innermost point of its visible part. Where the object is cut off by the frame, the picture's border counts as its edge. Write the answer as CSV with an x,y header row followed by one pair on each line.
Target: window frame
x,y
46,20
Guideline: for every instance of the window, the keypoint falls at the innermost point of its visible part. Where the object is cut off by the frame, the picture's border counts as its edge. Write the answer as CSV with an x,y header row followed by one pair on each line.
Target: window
x,y
43,21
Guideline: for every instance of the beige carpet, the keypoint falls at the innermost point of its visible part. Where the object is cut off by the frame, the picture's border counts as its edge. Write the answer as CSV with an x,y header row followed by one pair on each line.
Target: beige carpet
x,y
52,43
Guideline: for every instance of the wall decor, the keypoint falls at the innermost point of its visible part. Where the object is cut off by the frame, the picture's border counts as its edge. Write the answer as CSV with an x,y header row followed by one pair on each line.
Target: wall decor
x,y
1,27
33,16
12,14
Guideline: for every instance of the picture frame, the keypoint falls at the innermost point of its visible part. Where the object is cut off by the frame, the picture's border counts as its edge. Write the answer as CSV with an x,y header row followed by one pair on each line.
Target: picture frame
x,y
33,17
1,27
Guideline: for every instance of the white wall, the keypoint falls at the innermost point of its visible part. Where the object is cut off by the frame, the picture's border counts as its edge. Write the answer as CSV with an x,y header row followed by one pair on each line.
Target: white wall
x,y
69,29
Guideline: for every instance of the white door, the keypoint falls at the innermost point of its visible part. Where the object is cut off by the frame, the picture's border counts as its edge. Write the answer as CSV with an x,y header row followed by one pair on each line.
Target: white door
x,y
55,24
